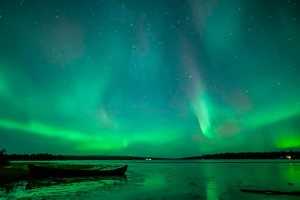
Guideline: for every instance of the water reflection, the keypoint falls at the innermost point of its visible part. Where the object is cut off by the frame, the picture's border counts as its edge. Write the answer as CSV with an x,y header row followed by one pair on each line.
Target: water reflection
x,y
211,191
155,181
194,180
59,188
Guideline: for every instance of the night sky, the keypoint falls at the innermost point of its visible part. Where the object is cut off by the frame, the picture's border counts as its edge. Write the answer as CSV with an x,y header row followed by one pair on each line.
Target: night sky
x,y
149,78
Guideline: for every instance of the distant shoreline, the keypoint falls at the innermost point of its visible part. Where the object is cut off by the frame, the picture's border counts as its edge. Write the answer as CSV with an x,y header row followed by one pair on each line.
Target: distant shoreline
x,y
283,155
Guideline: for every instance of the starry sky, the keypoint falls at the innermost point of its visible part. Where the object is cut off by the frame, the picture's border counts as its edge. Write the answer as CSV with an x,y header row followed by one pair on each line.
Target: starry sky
x,y
149,78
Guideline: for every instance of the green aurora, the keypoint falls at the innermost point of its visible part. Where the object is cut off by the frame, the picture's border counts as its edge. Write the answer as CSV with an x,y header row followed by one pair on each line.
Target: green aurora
x,y
136,77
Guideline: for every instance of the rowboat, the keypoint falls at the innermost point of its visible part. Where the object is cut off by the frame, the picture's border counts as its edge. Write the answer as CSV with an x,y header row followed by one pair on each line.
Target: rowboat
x,y
44,171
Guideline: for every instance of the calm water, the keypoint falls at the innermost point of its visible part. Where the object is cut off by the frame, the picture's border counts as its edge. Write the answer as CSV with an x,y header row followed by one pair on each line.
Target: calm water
x,y
171,180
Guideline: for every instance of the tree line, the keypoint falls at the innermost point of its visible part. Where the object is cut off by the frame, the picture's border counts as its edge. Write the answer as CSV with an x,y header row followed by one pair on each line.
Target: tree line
x,y
291,155
251,155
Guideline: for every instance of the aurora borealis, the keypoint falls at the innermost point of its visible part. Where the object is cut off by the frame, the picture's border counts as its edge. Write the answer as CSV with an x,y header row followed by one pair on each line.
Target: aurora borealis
x,y
158,78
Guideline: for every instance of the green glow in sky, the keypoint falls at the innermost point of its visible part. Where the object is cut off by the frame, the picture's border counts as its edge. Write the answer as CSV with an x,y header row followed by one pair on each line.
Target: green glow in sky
x,y
201,110
69,135
163,78
87,142
288,142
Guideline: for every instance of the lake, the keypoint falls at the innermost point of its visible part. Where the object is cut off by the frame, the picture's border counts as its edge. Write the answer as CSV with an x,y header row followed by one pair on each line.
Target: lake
x,y
207,180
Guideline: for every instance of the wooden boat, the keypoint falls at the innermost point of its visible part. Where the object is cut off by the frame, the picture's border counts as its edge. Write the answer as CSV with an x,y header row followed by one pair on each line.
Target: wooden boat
x,y
43,171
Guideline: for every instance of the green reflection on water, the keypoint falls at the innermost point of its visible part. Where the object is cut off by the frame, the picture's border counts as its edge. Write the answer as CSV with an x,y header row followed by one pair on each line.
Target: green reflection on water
x,y
211,191
155,182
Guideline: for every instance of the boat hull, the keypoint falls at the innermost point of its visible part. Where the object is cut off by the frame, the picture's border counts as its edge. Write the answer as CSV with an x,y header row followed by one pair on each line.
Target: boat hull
x,y
48,171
